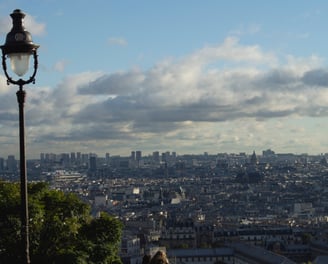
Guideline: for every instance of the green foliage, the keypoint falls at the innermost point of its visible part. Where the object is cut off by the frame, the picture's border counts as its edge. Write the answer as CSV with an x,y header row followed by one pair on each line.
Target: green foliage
x,y
61,228
9,220
100,238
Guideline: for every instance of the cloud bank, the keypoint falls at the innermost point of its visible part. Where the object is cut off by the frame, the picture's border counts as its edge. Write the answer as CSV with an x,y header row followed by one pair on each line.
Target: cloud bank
x,y
225,97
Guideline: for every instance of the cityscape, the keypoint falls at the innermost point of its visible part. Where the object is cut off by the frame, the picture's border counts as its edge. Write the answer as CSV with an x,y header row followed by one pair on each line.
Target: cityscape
x,y
216,112
223,208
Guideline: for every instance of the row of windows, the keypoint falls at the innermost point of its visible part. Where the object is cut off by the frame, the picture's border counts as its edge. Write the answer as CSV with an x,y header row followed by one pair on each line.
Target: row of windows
x,y
199,259
178,237
255,238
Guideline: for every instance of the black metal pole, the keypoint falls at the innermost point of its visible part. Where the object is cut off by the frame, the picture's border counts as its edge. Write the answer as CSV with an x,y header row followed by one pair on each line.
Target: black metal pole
x,y
23,178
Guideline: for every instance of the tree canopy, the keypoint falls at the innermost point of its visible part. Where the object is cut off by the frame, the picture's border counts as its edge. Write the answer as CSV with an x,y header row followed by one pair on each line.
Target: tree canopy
x,y
62,229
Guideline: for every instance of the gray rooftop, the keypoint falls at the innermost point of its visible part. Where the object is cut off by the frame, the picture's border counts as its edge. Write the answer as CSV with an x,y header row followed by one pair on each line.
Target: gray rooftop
x,y
200,252
261,255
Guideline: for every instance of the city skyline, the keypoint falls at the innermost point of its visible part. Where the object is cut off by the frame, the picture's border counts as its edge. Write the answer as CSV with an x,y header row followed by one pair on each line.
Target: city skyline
x,y
188,76
158,155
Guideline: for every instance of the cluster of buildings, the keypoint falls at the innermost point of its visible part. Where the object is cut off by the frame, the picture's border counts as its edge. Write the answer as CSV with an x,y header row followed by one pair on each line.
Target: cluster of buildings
x,y
223,208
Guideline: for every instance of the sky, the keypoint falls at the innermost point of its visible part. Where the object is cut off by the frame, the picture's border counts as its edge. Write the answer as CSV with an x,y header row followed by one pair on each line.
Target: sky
x,y
189,76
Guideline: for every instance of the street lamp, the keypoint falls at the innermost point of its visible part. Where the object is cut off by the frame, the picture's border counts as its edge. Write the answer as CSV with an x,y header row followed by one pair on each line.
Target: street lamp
x,y
18,48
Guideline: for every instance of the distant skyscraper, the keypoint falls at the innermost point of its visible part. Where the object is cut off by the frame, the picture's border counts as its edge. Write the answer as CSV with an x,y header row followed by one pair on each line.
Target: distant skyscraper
x,y
156,156
93,163
164,157
73,158
50,157
138,155
133,155
11,163
2,164
64,158
85,158
174,156
107,158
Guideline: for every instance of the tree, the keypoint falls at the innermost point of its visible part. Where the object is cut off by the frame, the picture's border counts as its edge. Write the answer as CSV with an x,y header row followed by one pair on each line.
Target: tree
x,y
9,221
100,239
61,228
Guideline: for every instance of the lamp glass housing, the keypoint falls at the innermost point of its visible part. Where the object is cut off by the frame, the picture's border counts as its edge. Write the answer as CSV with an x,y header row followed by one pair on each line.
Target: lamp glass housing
x,y
19,62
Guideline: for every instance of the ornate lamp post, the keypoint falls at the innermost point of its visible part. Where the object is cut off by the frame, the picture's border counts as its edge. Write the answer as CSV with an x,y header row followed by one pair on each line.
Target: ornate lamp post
x,y
18,48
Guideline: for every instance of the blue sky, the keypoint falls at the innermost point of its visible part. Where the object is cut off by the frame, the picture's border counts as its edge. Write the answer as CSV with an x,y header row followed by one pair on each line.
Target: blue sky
x,y
186,76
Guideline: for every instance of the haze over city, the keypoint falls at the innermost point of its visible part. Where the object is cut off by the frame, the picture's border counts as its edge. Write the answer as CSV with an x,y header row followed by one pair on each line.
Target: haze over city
x,y
186,76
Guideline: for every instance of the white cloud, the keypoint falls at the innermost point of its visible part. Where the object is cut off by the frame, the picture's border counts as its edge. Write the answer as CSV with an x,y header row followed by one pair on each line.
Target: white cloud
x,y
61,65
224,97
34,27
117,41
